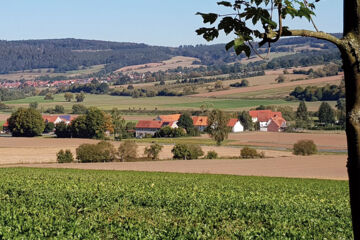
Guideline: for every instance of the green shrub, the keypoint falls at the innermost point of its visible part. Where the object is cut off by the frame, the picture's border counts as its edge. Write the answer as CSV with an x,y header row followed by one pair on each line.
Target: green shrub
x,y
186,151
101,152
127,151
49,127
211,155
153,151
305,147
65,156
248,152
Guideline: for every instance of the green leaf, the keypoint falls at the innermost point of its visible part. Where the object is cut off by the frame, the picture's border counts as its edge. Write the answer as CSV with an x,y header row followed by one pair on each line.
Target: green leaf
x,y
229,45
208,17
225,3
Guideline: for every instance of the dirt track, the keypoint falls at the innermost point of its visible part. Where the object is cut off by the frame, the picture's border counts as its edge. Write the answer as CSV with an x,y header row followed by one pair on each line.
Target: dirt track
x,y
270,86
320,167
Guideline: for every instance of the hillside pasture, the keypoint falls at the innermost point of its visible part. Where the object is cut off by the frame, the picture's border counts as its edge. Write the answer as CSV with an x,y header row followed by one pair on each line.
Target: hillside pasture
x,y
258,88
173,63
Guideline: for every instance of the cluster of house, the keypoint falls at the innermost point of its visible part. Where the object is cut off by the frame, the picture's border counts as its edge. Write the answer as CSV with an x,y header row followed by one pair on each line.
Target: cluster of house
x,y
269,121
55,119
39,84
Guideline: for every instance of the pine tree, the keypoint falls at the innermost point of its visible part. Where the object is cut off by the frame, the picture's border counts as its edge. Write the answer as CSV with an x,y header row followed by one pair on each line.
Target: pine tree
x,y
301,112
326,113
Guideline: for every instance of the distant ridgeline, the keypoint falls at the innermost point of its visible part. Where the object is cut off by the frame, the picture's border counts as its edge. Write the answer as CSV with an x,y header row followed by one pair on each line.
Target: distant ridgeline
x,y
72,54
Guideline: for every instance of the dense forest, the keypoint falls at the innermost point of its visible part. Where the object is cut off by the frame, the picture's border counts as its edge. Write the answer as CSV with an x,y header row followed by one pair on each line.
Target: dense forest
x,y
72,54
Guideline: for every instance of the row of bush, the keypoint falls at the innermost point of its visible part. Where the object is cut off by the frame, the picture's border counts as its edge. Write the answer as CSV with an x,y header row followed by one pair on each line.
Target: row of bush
x,y
104,151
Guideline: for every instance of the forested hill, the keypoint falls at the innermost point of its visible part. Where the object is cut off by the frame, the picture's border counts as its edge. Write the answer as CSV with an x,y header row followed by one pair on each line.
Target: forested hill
x,y
71,54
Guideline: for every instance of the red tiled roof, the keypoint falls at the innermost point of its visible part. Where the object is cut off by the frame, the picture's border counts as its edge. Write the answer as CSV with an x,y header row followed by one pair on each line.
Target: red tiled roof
x,y
264,115
200,120
48,118
149,124
232,122
170,118
278,120
6,124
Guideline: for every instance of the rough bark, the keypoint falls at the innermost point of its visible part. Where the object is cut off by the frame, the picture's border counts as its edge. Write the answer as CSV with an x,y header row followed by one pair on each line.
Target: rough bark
x,y
350,55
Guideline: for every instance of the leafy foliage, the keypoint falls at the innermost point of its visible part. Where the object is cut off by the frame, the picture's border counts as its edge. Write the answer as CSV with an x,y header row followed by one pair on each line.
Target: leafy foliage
x,y
248,152
211,155
305,147
65,156
127,151
26,123
101,152
186,151
67,204
153,151
217,125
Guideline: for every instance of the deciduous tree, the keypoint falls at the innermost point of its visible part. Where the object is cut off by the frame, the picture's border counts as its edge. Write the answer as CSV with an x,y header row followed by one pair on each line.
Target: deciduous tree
x,y
255,19
217,125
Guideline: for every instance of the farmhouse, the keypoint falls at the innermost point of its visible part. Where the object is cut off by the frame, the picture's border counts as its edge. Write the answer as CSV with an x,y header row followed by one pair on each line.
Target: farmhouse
x,y
149,127
55,119
263,117
200,122
168,118
276,124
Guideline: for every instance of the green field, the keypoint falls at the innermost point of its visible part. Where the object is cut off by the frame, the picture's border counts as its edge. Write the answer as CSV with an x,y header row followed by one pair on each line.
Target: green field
x,y
76,204
231,104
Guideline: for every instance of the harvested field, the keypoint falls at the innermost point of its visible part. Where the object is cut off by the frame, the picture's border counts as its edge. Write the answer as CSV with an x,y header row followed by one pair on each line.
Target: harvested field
x,y
43,150
324,141
320,167
270,86
172,63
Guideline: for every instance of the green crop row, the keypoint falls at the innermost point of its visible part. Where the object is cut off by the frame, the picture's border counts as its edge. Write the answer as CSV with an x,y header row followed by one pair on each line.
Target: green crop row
x,y
77,204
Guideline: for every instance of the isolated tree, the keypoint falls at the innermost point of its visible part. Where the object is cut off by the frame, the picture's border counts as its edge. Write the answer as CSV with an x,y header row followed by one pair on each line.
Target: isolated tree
x,y
80,97
218,84
127,151
79,109
255,19
26,122
217,125
153,151
68,96
280,79
96,124
49,96
326,113
118,122
301,112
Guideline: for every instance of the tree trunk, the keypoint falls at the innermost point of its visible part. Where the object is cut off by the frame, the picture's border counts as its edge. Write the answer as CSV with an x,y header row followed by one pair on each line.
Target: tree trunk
x,y
350,55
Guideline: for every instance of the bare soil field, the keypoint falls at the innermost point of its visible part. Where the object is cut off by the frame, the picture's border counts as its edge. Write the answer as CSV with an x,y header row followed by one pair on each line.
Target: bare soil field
x,y
270,86
324,141
320,167
172,63
43,150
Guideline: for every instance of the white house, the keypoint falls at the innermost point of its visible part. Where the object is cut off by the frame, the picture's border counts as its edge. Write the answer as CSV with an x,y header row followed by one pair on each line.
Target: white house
x,y
235,125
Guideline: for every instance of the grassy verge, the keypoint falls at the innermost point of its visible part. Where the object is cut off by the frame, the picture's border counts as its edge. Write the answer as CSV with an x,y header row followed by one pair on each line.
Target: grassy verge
x,y
67,204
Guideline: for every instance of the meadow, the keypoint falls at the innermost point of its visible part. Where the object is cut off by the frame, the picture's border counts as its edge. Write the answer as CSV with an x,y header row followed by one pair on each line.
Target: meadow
x,y
107,102
77,204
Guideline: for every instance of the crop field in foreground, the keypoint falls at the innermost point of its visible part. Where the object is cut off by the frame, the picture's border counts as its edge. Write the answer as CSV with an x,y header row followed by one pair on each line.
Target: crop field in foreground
x,y
77,204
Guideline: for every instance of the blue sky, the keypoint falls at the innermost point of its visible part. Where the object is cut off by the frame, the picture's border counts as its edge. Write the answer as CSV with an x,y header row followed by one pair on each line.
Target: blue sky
x,y
155,22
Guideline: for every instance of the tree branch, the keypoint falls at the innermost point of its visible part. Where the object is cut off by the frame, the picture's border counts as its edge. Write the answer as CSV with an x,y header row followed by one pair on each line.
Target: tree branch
x,y
319,35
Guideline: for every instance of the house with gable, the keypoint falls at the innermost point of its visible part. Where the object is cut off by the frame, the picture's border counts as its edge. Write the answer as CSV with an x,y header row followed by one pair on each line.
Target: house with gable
x,y
263,117
200,122
235,125
168,118
150,127
276,124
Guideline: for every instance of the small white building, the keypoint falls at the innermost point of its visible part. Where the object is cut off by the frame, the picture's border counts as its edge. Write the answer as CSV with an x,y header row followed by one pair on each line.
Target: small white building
x,y
235,125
